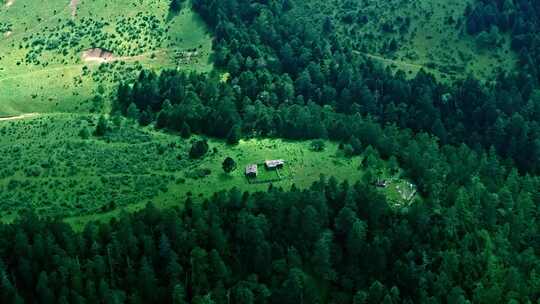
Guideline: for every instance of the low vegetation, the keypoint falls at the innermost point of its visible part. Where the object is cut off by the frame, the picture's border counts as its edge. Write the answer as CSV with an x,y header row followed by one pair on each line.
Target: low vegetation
x,y
58,165
42,67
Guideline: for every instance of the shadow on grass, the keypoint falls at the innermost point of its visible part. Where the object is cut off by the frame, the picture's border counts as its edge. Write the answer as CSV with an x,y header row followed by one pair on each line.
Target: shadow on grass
x,y
225,177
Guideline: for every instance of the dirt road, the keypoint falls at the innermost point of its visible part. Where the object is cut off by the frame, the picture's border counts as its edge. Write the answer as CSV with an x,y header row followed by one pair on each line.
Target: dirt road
x,y
22,116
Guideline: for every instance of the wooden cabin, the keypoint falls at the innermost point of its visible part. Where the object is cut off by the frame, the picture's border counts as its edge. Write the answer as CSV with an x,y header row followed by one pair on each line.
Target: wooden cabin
x,y
251,170
274,164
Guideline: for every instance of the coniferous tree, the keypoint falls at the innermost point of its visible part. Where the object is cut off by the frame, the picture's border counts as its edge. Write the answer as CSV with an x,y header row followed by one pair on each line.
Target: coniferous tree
x,y
234,135
102,127
185,132
228,165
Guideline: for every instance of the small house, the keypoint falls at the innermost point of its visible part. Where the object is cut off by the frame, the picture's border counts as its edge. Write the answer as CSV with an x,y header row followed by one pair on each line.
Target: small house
x,y
274,164
251,170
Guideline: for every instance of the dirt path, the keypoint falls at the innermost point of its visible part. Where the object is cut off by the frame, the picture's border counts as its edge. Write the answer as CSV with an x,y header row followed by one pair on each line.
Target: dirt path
x,y
73,5
399,62
22,116
98,59
80,66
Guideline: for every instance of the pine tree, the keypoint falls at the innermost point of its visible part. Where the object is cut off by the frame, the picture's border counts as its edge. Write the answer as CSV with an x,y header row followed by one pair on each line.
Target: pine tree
x,y
228,165
198,149
175,6
185,132
132,112
234,135
179,294
102,127
84,133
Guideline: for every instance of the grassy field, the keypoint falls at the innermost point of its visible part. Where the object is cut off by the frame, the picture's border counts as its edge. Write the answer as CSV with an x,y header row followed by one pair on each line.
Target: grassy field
x,y
49,168
428,34
42,45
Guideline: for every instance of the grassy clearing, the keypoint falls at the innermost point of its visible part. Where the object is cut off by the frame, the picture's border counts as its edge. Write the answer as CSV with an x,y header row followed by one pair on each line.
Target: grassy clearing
x,y
49,168
41,69
428,34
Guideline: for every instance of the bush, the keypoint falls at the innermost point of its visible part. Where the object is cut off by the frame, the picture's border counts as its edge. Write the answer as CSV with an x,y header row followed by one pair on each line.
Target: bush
x,y
185,132
198,149
318,145
102,127
348,150
228,165
234,135
84,133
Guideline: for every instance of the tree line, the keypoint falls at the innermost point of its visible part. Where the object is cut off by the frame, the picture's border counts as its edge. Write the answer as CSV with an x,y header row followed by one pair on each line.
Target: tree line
x,y
331,243
281,65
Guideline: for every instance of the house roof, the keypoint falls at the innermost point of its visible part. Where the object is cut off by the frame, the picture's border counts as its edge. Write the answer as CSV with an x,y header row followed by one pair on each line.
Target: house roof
x,y
251,169
274,163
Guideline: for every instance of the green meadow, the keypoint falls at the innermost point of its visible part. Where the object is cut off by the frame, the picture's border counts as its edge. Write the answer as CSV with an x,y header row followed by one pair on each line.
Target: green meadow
x,y
412,35
42,69
50,168
52,164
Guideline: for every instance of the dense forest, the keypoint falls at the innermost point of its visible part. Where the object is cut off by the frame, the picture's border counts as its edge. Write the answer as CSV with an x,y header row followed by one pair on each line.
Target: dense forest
x,y
279,64
472,148
332,243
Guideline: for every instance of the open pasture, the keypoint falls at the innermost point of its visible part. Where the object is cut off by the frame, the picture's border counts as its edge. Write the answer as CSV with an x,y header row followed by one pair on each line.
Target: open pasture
x,y
55,166
44,64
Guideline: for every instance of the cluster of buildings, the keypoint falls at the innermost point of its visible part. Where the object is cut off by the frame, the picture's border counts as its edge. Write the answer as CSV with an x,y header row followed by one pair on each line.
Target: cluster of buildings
x,y
252,169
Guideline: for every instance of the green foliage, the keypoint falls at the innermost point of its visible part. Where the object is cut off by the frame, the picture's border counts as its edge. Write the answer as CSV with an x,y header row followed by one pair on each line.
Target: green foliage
x,y
348,150
318,145
102,127
234,136
185,132
229,165
45,51
132,112
176,5
198,149
48,147
84,133
489,39
469,233
337,235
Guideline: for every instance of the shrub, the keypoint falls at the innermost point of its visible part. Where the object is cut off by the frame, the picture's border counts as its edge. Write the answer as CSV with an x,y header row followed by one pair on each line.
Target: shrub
x,y
84,133
348,150
198,149
318,145
102,127
228,165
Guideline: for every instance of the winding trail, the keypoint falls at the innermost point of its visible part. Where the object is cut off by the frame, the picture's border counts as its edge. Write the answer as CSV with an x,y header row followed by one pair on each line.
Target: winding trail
x,y
80,65
399,62
18,117
73,5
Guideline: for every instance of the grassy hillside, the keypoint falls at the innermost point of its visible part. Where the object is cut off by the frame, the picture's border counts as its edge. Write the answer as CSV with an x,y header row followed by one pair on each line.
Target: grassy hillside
x,y
410,35
43,67
51,169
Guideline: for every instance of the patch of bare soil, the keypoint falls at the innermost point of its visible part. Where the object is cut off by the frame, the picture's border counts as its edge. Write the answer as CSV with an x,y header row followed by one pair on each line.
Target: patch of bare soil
x,y
7,34
97,54
73,5
9,3
23,116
